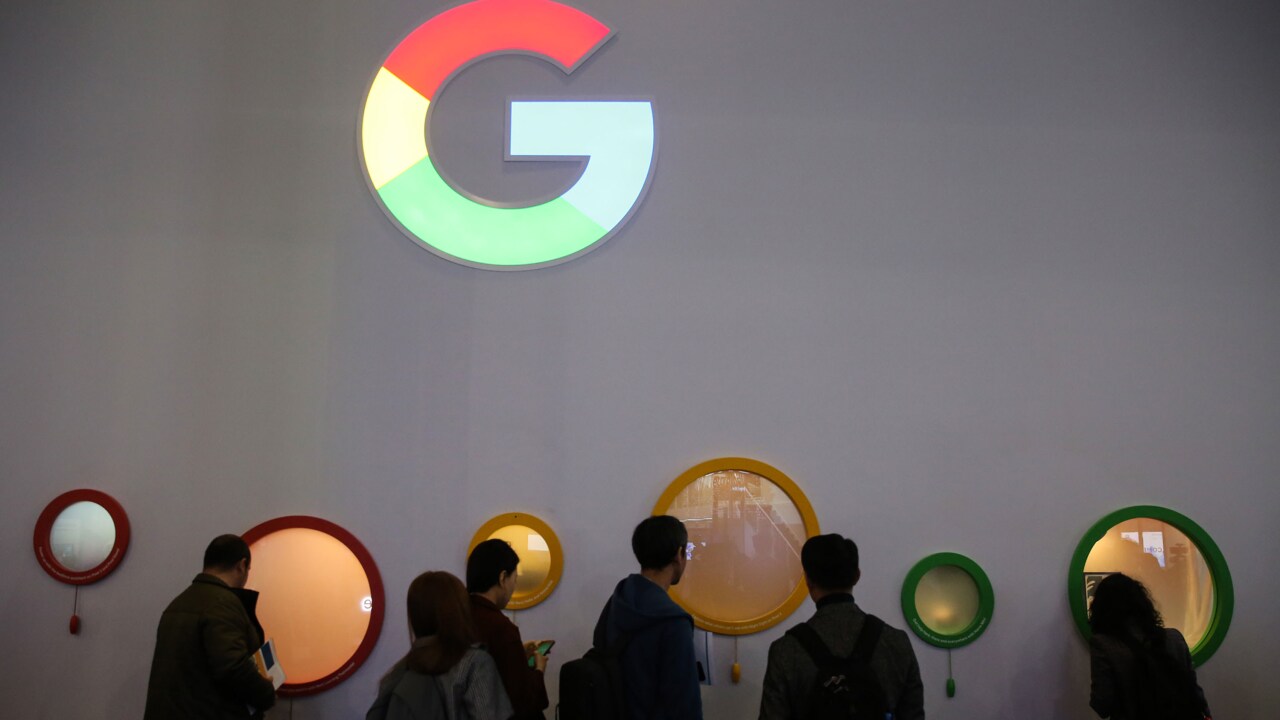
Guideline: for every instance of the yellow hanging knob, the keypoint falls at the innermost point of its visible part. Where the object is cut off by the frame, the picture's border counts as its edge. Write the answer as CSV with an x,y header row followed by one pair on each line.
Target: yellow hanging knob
x,y
735,672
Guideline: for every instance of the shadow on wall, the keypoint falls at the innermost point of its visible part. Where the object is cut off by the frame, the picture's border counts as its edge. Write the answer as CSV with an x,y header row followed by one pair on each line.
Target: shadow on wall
x,y
130,697
1052,676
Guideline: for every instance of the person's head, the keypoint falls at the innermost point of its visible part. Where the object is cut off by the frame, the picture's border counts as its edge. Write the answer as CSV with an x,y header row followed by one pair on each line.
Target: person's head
x,y
492,567
1121,603
439,608
227,557
830,564
660,542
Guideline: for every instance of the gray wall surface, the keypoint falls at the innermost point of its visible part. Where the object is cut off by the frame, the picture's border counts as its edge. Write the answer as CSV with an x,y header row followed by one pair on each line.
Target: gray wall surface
x,y
973,274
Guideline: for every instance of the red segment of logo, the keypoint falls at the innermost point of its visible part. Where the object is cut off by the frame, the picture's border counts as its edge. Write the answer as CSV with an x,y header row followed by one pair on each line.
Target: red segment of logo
x,y
455,37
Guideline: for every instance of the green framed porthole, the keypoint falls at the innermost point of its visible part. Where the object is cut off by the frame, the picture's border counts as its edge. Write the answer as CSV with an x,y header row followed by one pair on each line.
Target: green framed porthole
x,y
1174,557
947,600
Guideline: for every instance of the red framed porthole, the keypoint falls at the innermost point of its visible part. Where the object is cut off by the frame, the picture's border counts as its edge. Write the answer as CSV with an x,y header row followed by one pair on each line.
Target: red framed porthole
x,y
321,599
81,536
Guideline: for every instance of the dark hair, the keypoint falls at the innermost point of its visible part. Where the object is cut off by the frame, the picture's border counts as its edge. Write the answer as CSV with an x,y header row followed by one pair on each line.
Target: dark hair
x,y
438,606
225,552
490,559
657,540
1122,605
830,562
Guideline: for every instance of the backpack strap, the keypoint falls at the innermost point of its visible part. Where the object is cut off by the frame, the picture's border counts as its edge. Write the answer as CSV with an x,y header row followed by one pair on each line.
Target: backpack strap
x,y
812,644
821,654
867,639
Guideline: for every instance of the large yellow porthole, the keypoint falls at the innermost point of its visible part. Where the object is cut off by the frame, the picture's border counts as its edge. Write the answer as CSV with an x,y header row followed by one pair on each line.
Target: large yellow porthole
x,y
541,558
747,522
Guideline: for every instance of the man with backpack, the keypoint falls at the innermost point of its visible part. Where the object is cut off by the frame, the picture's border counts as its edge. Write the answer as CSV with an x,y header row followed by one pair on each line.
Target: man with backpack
x,y
642,665
842,663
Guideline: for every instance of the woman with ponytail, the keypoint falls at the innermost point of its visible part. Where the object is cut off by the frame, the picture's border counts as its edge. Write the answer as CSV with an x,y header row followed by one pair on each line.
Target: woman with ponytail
x,y
445,674
1140,669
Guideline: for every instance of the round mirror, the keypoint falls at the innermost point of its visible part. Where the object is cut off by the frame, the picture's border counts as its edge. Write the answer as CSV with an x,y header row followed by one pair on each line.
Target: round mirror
x,y
536,544
947,600
747,522
81,536
1173,557
321,599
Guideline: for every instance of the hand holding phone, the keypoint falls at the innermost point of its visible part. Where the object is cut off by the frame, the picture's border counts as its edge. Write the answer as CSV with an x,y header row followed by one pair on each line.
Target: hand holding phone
x,y
538,656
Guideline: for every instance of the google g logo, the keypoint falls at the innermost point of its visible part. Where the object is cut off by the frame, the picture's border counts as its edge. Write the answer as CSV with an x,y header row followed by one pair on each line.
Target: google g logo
x,y
615,138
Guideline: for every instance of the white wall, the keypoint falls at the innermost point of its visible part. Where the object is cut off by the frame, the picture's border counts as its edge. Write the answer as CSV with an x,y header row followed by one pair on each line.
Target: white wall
x,y
973,274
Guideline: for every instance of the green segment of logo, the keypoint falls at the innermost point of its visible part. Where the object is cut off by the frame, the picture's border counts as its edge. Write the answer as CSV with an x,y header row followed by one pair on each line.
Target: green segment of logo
x,y
446,221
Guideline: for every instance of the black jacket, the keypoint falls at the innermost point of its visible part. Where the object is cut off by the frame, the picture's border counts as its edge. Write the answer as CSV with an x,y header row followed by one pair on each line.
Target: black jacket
x,y
203,666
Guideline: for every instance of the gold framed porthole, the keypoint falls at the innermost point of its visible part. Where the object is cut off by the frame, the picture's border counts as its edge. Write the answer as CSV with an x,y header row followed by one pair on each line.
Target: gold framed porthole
x,y
541,557
747,522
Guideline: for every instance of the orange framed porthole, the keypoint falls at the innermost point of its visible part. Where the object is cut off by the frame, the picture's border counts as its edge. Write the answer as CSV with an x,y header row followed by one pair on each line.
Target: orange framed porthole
x,y
536,544
321,599
747,522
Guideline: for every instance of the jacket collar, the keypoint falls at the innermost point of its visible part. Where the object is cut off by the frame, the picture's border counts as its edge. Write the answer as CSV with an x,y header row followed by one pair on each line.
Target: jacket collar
x,y
834,599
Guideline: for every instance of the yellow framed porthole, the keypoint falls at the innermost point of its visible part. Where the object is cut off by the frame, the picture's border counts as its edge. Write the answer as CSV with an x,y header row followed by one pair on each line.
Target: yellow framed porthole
x,y
541,557
747,522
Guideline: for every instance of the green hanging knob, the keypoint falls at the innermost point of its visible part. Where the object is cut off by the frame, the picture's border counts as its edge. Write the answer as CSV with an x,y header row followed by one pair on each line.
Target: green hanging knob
x,y
951,687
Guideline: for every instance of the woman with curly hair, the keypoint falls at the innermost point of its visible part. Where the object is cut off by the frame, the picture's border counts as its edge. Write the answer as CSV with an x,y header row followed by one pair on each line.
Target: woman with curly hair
x,y
445,674
1140,669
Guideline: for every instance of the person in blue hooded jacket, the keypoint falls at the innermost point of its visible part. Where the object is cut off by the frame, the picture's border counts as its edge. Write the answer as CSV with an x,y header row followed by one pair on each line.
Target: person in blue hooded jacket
x,y
659,671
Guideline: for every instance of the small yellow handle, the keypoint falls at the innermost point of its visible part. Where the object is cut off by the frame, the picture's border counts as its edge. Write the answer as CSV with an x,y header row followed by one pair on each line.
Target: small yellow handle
x,y
735,672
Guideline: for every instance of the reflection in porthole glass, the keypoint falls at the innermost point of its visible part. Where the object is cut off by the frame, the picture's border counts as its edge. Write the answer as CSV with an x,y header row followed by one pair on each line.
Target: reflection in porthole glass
x,y
316,600
535,557
745,535
82,536
947,599
1167,562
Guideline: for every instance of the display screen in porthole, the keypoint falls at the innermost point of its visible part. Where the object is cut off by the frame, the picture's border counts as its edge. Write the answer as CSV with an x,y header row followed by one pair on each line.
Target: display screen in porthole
x,y
947,599
745,535
82,536
535,556
315,600
1167,562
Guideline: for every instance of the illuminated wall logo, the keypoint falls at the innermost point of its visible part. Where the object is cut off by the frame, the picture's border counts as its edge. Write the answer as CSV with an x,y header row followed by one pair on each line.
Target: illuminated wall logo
x,y
616,139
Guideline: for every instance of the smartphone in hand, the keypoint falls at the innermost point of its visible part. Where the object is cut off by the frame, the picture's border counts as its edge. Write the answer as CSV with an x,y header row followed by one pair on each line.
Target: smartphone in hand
x,y
543,648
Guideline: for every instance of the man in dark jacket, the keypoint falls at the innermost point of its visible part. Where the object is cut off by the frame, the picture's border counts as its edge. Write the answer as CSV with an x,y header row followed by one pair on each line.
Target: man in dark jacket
x,y
658,666
830,565
203,667
491,580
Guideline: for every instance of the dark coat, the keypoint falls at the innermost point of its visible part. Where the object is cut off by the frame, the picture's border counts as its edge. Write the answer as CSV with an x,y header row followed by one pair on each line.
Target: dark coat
x,y
658,664
203,666
1114,674
525,685
789,676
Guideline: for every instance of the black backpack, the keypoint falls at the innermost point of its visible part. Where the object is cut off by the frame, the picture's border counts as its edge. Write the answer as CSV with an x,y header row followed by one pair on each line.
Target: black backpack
x,y
591,686
844,688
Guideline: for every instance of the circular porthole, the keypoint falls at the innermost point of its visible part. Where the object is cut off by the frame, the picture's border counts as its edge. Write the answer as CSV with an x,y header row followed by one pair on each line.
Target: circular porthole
x,y
1171,555
81,536
947,600
747,522
536,544
321,599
